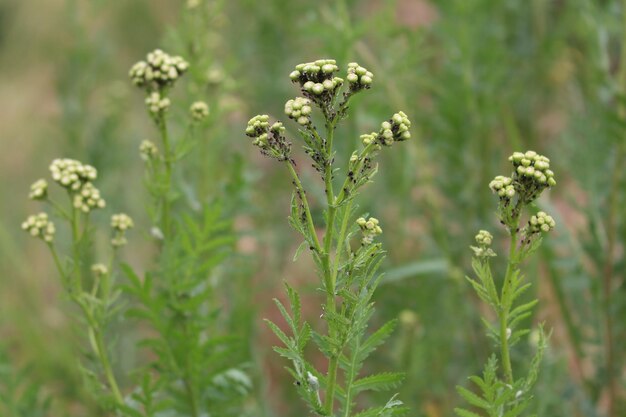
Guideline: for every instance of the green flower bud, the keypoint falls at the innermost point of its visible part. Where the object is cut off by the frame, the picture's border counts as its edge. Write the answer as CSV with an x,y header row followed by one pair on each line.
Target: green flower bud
x,y
158,70
120,223
148,150
358,77
269,139
317,89
88,198
541,222
370,229
532,174
299,109
72,174
199,110
38,190
484,238
40,226
328,68
99,270
328,84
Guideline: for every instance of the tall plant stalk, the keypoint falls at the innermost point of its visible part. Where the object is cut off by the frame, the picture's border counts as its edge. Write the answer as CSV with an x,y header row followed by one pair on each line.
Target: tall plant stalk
x,y
348,276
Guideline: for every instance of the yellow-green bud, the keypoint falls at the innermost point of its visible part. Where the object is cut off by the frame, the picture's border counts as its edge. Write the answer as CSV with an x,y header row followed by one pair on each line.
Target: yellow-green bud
x,y
38,190
38,225
199,110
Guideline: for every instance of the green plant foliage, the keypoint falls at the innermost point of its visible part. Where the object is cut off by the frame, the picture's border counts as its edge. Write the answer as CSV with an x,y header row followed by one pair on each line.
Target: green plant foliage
x,y
346,275
20,397
505,395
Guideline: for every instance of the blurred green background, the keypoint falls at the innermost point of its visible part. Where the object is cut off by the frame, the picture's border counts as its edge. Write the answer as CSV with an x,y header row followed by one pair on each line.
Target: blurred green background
x,y
478,78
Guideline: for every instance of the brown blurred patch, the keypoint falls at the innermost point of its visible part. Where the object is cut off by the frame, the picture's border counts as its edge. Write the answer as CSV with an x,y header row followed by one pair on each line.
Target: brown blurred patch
x,y
416,13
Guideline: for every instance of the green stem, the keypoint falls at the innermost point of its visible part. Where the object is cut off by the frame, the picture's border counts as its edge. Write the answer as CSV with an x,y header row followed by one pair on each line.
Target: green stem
x,y
504,309
77,284
192,398
307,210
58,208
57,262
98,346
329,400
342,193
330,278
342,237
167,159
349,379
106,366
188,380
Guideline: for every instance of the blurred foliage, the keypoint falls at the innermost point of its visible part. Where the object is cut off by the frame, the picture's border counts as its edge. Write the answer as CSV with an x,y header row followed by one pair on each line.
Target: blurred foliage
x,y
479,79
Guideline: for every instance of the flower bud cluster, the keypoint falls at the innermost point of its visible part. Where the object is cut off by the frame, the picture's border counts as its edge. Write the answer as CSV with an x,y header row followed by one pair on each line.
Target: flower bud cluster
x,y
157,104
120,223
370,229
531,166
268,138
88,198
483,240
38,225
199,111
317,78
72,174
99,270
358,77
503,186
158,70
393,130
299,109
541,222
148,150
531,175
38,190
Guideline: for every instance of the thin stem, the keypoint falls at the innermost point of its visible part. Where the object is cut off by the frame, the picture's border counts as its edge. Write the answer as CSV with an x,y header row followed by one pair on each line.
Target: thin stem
x,y
192,397
342,236
329,400
307,210
98,346
58,208
349,379
106,366
77,284
167,159
188,380
504,310
342,193
329,277
57,262
330,198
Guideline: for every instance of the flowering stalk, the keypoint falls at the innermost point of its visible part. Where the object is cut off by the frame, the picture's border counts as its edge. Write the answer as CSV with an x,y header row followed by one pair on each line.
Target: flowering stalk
x,y
97,304
346,275
175,295
156,75
509,395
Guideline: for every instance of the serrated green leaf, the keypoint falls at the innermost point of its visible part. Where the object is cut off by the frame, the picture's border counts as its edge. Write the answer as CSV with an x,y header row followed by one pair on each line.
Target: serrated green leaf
x,y
280,334
472,398
378,382
304,244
